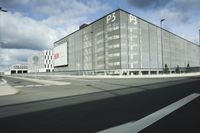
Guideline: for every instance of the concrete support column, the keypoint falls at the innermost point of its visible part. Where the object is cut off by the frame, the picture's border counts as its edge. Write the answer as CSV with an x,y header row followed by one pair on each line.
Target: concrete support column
x,y
140,73
121,72
105,73
128,73
157,72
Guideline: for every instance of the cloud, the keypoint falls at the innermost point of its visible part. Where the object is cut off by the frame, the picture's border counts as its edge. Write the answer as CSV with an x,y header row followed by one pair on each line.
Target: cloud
x,y
13,3
182,16
73,7
182,9
37,24
195,38
149,4
25,33
9,57
186,5
174,16
74,14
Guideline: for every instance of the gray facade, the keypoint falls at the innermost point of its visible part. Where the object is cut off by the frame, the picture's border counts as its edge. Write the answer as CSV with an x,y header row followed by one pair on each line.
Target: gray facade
x,y
121,42
18,69
44,63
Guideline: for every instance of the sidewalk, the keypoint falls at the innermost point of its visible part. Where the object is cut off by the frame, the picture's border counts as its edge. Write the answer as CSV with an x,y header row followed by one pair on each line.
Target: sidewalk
x,y
6,89
181,75
46,82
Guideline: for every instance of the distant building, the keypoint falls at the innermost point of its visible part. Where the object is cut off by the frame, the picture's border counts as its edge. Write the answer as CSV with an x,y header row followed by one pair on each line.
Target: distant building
x,y
18,69
1,73
41,62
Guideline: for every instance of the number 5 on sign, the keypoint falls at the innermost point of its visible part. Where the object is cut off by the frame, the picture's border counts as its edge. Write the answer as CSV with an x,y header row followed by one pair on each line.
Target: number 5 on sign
x,y
132,19
111,18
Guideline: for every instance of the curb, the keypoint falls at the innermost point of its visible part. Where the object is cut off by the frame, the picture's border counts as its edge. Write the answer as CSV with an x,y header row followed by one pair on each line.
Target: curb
x,y
6,89
47,82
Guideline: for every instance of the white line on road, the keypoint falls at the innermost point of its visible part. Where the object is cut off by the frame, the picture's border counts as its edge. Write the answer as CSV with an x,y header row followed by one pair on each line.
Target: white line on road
x,y
137,126
39,85
81,79
29,85
4,81
20,86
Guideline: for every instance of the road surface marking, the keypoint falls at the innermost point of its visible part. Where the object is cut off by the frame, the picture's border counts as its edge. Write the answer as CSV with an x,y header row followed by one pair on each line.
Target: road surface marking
x,y
4,81
19,86
39,85
81,79
30,85
137,126
40,81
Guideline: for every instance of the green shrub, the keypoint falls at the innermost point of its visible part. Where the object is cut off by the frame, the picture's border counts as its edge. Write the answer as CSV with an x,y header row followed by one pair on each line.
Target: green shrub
x,y
177,69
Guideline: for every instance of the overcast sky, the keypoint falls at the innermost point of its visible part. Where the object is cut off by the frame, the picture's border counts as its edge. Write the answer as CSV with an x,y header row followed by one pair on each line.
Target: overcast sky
x,y
33,25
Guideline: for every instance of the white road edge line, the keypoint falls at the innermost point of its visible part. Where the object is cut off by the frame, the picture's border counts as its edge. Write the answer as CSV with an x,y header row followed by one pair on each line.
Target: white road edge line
x,y
19,86
137,126
4,81
39,85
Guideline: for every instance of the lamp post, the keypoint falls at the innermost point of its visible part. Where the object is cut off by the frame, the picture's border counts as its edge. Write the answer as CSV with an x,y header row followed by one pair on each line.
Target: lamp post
x,y
162,41
1,42
3,10
199,36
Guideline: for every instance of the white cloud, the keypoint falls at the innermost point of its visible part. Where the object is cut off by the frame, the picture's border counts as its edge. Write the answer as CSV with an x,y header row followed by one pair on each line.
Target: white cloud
x,y
194,38
69,16
36,24
14,56
173,15
73,7
26,33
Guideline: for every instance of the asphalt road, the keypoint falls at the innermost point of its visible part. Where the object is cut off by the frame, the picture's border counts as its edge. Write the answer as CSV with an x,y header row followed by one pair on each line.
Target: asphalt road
x,y
124,105
30,91
19,82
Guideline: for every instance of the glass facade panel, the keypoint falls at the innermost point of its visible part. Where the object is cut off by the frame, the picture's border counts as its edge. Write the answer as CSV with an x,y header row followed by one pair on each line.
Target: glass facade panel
x,y
166,48
153,46
133,42
87,48
144,42
99,46
71,51
112,41
124,39
78,51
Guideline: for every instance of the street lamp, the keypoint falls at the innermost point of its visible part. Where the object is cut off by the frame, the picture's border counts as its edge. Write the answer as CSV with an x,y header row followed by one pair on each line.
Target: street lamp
x,y
3,10
1,43
199,36
162,41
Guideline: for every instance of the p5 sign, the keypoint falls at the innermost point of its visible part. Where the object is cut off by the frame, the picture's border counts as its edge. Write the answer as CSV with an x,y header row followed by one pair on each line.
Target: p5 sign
x,y
111,18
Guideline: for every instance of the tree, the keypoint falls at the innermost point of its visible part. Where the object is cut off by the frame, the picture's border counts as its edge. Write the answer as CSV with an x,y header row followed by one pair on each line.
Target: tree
x,y
188,68
177,69
166,69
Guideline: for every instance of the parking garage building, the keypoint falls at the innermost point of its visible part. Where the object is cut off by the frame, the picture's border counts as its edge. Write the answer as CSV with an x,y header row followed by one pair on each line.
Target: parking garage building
x,y
122,43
